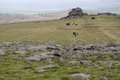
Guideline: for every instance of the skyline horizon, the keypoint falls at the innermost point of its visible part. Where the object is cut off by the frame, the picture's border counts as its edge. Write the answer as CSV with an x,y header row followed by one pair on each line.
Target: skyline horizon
x,y
40,6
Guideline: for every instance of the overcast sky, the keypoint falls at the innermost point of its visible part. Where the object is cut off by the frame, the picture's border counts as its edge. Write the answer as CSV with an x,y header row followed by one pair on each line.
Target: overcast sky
x,y
57,5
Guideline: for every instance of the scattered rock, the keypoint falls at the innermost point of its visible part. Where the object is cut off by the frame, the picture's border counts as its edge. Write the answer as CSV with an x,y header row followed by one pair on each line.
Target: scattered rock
x,y
80,76
37,48
103,78
20,52
42,69
2,52
49,61
34,58
48,66
74,62
109,63
85,62
109,74
117,54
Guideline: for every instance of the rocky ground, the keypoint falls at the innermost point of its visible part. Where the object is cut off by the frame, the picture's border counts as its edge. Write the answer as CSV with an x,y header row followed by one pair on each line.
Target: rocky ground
x,y
95,55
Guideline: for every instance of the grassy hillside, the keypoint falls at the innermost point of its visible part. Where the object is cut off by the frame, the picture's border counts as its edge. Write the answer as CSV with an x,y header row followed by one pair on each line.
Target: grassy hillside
x,y
104,29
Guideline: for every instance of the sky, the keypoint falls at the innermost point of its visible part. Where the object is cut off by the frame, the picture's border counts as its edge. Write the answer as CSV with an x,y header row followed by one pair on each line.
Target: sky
x,y
39,6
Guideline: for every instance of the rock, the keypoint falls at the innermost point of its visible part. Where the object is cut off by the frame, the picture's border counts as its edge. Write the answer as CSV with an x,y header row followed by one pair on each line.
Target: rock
x,y
74,62
103,78
16,57
52,48
49,61
2,52
85,62
80,76
108,74
42,69
117,54
75,12
109,63
83,57
112,45
34,58
41,56
37,48
94,53
48,66
113,49
78,52
46,55
20,52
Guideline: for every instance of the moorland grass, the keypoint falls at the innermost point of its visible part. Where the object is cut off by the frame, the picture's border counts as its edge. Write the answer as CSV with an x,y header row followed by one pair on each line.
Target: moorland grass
x,y
100,30
104,29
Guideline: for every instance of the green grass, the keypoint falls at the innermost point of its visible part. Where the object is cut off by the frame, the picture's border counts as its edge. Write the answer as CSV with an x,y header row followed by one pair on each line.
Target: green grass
x,y
13,69
100,30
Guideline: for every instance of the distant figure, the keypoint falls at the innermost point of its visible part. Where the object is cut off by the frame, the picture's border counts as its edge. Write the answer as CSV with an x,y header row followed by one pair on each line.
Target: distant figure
x,y
92,17
74,24
68,24
75,33
86,21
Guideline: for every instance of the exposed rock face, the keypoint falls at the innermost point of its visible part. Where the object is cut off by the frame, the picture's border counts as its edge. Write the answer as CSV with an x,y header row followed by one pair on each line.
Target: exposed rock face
x,y
74,13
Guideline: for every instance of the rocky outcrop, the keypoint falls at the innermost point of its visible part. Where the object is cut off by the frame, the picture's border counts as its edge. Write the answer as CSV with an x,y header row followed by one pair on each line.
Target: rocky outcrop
x,y
100,56
77,54
74,13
